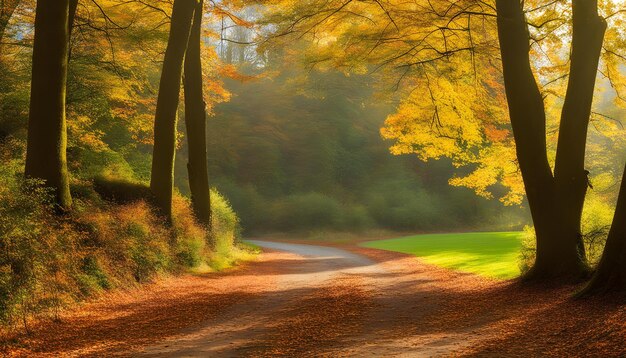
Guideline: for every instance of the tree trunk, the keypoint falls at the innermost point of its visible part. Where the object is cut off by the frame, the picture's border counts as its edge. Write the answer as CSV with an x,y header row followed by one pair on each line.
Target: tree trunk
x,y
528,120
555,201
70,24
610,275
195,122
7,8
570,176
47,136
162,176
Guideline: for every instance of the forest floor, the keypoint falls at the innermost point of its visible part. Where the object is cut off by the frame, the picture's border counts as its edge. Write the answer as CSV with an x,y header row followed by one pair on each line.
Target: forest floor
x,y
334,300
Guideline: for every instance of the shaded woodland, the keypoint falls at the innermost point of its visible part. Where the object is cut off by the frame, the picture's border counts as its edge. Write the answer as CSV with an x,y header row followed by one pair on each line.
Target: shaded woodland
x,y
128,128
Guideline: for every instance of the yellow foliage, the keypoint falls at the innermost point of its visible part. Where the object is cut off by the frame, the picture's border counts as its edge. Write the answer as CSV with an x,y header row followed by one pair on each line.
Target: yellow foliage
x,y
442,57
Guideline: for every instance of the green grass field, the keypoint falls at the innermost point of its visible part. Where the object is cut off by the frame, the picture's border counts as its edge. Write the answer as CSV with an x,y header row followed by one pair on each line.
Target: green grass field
x,y
489,254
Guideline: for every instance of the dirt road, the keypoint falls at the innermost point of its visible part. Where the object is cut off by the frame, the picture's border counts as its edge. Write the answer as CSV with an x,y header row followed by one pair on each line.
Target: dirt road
x,y
251,326
315,288
305,300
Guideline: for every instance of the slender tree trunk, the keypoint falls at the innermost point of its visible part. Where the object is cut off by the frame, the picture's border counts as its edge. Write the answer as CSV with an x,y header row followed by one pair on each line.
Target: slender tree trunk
x,y
555,201
229,53
161,182
7,8
195,122
70,24
47,136
610,275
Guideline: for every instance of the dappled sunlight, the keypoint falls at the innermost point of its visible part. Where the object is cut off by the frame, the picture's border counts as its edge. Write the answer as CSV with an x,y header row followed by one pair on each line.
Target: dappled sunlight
x,y
354,299
259,178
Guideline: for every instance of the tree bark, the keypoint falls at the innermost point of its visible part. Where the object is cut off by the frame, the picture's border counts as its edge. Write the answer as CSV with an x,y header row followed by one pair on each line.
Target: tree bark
x,y
555,201
610,275
195,122
570,176
528,118
47,135
162,176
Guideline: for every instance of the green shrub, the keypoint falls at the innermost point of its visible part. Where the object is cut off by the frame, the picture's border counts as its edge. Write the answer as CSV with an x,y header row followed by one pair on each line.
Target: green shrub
x,y
306,211
528,250
190,239
398,207
356,218
85,163
251,207
596,222
37,248
121,191
224,221
149,252
190,251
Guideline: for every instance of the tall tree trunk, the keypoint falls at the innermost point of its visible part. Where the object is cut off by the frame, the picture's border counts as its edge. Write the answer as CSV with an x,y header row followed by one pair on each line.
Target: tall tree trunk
x,y
610,275
556,210
7,8
162,176
195,122
47,136
570,176
70,24
528,119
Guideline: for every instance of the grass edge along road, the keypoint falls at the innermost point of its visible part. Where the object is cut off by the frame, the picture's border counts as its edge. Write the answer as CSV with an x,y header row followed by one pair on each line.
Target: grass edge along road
x,y
488,254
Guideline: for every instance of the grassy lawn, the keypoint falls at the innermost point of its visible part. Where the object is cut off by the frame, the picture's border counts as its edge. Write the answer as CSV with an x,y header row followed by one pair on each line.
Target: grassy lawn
x,y
490,254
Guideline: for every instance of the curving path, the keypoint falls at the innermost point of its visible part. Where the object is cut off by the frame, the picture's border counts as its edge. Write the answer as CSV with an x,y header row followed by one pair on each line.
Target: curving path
x,y
299,300
328,301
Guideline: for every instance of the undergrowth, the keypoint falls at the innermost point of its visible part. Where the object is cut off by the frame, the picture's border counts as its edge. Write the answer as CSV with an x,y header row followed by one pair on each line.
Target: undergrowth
x,y
595,225
111,239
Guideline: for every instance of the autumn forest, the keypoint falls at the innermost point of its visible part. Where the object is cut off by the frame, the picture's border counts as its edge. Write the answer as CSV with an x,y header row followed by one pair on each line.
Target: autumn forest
x,y
225,178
